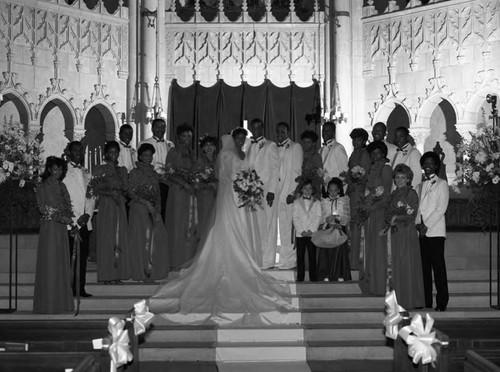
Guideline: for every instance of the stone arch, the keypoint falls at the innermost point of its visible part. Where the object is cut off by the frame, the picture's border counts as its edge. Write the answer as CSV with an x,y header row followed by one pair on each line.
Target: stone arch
x,y
16,106
475,104
100,124
57,119
394,113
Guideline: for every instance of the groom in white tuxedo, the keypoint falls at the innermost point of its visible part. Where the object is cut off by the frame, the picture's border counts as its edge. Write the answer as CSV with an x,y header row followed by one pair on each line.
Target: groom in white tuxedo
x,y
263,157
291,157
332,154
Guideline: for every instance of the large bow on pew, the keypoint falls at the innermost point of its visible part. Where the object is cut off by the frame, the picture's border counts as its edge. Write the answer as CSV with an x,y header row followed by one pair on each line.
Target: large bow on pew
x,y
141,317
420,339
119,350
393,317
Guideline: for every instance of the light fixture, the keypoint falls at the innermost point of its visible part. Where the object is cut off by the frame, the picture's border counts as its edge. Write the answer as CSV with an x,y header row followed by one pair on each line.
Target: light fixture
x,y
155,109
151,14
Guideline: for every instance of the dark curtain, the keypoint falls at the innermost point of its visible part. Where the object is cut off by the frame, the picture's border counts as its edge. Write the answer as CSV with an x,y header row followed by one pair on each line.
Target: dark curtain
x,y
218,109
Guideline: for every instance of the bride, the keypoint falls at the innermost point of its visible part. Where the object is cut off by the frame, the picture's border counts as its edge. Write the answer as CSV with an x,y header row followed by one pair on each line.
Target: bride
x,y
224,283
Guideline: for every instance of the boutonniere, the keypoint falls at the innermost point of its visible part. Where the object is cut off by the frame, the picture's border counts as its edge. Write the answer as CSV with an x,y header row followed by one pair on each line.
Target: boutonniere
x,y
287,146
261,145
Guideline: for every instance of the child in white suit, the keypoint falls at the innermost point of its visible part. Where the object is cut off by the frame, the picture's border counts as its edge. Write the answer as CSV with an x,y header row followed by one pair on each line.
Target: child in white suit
x,y
306,220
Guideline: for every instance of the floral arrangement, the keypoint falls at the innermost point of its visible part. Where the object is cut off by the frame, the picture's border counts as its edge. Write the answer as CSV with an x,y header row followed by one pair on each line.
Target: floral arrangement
x,y
170,173
355,175
310,174
400,209
478,170
99,185
57,212
146,192
371,196
20,158
204,177
249,188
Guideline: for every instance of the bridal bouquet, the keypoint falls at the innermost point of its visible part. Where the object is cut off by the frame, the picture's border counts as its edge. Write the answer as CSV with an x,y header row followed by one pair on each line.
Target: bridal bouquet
x,y
250,189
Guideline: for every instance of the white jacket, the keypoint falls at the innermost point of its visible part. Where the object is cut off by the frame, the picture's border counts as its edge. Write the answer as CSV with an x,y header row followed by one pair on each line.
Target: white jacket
x,y
410,156
434,196
291,157
263,157
306,215
334,159
76,181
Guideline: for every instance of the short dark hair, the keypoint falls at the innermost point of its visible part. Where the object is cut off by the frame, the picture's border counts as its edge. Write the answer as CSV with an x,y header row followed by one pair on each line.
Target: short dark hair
x,y
306,182
283,124
72,144
239,130
110,145
338,182
377,145
126,127
184,128
403,129
359,133
331,124
403,169
145,147
158,120
208,139
257,121
380,123
433,156
50,162
312,135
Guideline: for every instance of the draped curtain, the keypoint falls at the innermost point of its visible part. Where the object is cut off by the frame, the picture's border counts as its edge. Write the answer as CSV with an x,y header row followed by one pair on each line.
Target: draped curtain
x,y
218,109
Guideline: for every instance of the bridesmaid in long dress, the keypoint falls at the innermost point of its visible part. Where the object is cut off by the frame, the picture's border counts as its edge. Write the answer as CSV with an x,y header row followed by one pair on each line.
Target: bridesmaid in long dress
x,y
147,231
407,277
356,188
109,185
373,271
312,164
180,221
207,192
53,292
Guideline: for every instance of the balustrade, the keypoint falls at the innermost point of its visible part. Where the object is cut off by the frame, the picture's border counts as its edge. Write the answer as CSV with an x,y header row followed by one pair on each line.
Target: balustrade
x,y
109,7
373,8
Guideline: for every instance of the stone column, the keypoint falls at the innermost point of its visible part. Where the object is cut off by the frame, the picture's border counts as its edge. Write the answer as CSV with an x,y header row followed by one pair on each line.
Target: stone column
x,y
132,63
465,130
420,134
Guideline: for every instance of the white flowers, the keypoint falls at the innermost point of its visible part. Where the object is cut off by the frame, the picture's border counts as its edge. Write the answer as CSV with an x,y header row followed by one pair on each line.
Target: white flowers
x,y
481,157
495,179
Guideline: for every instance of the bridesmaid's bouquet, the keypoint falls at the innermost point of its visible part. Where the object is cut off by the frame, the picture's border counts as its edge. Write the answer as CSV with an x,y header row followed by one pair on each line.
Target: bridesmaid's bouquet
x,y
250,189
204,177
146,192
59,212
171,174
355,175
400,209
371,196
99,185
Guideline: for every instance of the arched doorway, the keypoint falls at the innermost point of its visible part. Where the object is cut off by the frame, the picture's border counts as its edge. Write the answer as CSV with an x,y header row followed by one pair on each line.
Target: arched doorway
x,y
444,137
100,125
12,110
397,118
56,127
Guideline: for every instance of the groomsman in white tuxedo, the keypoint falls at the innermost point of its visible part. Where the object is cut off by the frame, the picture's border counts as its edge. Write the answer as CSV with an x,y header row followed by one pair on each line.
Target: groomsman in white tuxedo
x,y
291,157
379,132
332,153
263,157
407,154
431,225
76,180
162,147
127,157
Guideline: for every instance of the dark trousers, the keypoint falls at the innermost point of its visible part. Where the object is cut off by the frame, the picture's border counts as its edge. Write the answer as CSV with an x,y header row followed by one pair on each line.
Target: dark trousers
x,y
84,254
432,253
163,196
302,245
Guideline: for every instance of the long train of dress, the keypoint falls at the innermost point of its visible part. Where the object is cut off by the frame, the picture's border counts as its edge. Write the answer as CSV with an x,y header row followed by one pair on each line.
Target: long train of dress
x,y
224,283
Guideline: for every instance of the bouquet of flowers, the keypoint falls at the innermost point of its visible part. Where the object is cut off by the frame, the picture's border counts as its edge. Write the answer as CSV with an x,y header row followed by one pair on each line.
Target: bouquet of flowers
x,y
146,192
100,185
60,212
478,170
355,175
370,197
20,158
401,209
170,174
250,189
310,174
204,177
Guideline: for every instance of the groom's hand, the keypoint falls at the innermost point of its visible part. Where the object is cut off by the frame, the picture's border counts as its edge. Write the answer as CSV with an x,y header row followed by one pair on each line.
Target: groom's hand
x,y
270,198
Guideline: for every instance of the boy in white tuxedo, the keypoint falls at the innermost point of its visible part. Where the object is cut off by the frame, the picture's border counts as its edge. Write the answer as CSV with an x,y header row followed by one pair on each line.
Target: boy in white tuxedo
x,y
407,154
434,195
306,219
291,157
263,157
128,156
332,153
76,181
162,147
379,132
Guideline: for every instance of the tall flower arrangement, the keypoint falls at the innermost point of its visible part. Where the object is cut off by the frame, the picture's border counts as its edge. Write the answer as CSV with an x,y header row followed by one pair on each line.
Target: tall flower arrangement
x,y
20,154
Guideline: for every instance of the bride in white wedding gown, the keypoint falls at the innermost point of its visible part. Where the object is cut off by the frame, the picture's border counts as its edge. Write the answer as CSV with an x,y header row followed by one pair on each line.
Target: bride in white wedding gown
x,y
224,283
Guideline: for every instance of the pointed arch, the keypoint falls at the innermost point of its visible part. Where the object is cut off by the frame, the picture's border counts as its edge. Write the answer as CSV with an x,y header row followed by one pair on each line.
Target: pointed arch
x,y
67,110
109,115
20,103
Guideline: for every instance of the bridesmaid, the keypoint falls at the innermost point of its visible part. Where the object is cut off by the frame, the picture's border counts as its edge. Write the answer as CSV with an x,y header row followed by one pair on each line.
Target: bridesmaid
x,y
373,272
206,194
312,164
407,274
180,208
147,231
109,185
358,158
53,292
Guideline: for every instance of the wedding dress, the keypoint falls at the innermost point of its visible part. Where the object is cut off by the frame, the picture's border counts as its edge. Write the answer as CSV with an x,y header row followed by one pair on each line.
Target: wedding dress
x,y
224,283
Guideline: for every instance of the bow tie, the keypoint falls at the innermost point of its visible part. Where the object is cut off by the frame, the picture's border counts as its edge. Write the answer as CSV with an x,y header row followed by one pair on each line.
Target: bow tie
x,y
77,166
426,178
307,197
159,139
282,144
327,143
125,145
333,199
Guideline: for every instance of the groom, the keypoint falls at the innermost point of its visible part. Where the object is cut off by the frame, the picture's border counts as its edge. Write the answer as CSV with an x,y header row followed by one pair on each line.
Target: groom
x,y
263,157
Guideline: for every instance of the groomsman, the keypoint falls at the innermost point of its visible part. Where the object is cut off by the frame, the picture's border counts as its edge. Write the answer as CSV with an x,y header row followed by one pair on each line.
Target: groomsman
x,y
431,225
162,147
263,157
332,153
407,154
291,158
379,132
127,157
76,181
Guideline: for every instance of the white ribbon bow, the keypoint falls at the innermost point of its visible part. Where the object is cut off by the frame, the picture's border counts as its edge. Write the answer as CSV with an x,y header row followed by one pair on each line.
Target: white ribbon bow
x,y
420,339
119,350
393,317
141,317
